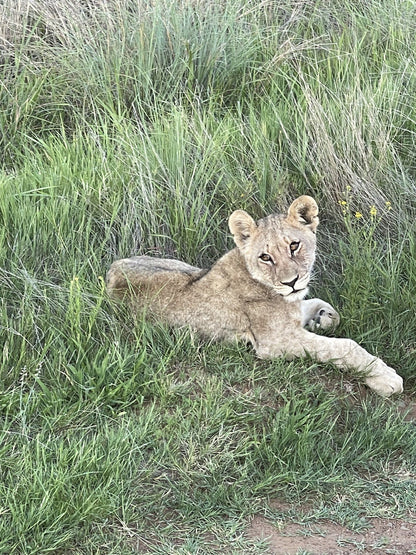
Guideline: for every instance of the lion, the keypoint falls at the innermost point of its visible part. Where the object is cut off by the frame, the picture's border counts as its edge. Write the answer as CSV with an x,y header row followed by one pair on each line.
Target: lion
x,y
254,293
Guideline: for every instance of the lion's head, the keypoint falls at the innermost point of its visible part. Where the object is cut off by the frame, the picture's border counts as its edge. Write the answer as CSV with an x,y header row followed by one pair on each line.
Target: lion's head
x,y
279,250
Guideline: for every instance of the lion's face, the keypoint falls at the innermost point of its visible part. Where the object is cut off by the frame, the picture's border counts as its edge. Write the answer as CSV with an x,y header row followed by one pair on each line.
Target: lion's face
x,y
279,250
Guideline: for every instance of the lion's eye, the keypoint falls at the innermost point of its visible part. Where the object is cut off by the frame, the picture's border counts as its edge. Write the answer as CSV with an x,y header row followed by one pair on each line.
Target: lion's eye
x,y
266,257
294,245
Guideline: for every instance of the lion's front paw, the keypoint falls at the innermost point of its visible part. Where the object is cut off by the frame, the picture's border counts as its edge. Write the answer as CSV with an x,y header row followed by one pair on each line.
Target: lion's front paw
x,y
325,317
384,380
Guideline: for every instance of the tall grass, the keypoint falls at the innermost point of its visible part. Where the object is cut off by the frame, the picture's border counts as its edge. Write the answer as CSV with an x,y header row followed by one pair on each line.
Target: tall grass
x,y
137,127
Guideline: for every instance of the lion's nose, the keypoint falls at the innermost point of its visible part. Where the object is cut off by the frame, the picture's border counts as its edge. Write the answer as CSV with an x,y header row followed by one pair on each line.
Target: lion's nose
x,y
291,283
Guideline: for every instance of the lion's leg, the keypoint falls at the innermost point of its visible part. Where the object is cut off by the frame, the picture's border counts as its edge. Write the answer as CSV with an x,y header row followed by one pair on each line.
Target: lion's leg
x,y
317,314
344,353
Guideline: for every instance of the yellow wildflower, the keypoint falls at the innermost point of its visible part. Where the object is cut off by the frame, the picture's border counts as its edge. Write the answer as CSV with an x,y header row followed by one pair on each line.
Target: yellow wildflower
x,y
358,215
388,205
342,202
373,211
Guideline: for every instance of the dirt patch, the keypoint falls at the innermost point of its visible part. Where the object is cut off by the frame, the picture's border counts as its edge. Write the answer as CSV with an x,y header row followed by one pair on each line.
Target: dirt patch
x,y
384,537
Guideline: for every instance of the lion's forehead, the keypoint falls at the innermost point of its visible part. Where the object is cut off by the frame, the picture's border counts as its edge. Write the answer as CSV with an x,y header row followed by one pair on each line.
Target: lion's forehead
x,y
277,226
275,234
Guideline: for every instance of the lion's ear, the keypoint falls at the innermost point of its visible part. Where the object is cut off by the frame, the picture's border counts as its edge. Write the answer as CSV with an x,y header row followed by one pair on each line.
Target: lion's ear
x,y
241,226
304,211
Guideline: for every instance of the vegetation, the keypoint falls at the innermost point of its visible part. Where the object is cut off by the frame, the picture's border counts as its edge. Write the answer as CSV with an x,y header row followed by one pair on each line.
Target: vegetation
x,y
137,127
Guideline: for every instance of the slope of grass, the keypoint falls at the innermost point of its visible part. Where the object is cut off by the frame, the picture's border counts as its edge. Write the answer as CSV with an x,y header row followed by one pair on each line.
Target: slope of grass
x,y
137,127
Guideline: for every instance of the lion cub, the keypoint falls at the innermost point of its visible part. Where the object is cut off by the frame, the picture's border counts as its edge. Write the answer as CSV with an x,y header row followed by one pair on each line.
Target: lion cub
x,y
254,293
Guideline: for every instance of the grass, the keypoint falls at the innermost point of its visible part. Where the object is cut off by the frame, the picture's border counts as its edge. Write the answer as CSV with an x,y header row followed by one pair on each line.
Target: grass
x,y
137,127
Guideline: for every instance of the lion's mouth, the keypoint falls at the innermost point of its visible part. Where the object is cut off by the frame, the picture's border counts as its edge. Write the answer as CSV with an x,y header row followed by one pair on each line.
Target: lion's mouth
x,y
297,295
295,284
294,289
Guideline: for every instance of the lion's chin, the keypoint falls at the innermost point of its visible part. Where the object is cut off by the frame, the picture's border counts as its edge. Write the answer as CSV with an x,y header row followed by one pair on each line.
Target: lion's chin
x,y
296,295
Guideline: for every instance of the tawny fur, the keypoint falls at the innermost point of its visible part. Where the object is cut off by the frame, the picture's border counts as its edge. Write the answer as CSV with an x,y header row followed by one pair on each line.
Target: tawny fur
x,y
253,293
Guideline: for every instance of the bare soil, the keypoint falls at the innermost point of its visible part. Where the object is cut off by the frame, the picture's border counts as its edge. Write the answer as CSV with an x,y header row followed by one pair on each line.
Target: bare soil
x,y
394,537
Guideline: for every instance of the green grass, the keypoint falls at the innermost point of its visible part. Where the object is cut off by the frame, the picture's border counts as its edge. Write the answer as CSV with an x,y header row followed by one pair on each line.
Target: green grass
x,y
137,127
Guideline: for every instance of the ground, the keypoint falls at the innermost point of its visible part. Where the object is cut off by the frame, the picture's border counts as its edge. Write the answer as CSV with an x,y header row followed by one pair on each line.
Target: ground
x,y
395,537
383,536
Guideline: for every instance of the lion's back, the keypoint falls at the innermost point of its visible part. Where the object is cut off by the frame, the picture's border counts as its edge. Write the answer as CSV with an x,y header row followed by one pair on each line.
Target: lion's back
x,y
140,273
